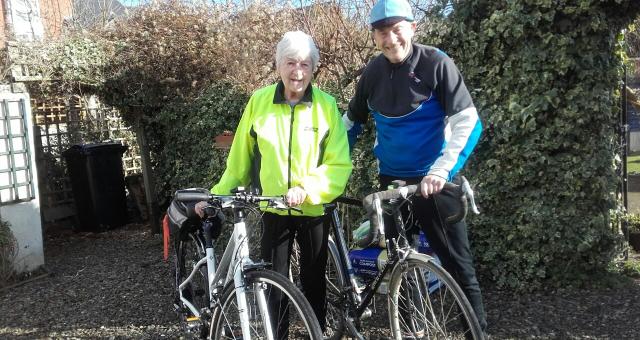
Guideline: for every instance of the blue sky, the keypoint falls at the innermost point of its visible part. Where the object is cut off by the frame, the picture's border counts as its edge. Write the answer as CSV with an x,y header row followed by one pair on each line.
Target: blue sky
x,y
130,2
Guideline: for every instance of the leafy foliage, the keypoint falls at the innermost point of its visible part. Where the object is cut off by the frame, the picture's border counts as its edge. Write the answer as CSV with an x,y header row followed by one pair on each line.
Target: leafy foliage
x,y
632,45
633,221
544,75
182,135
160,53
8,252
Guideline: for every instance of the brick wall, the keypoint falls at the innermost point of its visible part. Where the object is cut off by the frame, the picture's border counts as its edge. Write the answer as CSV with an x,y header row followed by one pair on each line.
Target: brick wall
x,y
3,24
52,14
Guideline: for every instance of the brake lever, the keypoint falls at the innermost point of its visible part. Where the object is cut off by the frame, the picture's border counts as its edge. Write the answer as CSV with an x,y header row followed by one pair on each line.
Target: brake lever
x,y
295,209
468,192
282,206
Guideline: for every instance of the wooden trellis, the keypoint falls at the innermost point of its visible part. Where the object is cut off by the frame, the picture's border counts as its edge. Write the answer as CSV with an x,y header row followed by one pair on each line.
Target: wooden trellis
x,y
61,123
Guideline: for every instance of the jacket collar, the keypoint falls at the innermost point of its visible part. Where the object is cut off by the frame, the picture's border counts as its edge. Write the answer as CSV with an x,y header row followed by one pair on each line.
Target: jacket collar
x,y
279,98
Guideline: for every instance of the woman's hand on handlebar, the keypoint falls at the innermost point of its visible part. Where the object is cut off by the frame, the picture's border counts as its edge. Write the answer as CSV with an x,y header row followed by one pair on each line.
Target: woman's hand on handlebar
x,y
295,196
431,184
199,208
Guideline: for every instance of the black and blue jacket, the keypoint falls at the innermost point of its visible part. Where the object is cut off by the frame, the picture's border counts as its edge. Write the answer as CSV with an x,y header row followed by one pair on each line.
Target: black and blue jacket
x,y
426,122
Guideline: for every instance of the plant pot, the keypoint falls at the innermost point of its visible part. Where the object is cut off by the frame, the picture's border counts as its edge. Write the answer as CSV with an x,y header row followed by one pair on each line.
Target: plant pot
x,y
634,240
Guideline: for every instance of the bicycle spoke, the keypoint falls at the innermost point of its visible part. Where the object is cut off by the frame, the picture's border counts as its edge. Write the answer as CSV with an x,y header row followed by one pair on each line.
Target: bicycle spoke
x,y
437,314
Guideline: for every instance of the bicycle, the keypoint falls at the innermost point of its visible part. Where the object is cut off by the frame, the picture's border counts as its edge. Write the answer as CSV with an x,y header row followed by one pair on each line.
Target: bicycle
x,y
416,309
236,294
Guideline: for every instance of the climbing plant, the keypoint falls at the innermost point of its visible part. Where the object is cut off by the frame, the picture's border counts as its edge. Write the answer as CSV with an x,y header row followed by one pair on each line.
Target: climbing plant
x,y
545,76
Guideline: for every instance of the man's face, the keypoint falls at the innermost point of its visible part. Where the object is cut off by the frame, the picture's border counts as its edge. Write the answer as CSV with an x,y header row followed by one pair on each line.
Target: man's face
x,y
395,40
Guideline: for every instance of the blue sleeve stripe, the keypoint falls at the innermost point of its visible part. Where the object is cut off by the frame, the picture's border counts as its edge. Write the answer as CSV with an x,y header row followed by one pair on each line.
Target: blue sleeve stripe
x,y
353,130
468,148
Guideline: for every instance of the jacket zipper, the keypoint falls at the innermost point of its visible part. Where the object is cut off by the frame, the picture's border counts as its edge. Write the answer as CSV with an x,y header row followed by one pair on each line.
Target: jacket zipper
x,y
293,109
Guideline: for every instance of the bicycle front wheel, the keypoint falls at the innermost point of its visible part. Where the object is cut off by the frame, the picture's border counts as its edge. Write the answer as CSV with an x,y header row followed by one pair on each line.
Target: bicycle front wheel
x,y
189,251
426,303
290,314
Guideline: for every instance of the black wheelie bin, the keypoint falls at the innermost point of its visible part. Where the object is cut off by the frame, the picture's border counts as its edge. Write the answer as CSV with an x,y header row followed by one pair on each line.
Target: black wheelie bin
x,y
97,181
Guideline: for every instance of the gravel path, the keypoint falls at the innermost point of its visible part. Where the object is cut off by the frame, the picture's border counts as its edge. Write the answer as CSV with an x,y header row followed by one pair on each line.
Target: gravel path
x,y
115,285
109,285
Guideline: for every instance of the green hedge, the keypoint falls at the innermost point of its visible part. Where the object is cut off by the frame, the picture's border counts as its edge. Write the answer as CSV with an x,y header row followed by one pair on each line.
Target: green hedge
x,y
182,136
545,76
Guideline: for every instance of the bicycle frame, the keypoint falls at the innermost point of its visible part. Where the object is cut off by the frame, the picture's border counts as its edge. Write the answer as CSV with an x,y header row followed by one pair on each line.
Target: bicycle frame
x,y
236,256
358,297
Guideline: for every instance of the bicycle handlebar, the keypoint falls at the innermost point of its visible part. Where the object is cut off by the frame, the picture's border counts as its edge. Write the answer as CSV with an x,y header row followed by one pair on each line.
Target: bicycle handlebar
x,y
191,195
373,206
348,201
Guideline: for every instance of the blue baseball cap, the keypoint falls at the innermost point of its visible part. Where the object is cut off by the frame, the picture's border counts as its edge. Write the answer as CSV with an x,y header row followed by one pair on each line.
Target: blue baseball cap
x,y
389,12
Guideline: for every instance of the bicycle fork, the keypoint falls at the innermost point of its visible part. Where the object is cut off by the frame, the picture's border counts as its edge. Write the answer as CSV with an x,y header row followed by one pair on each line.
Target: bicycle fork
x,y
241,285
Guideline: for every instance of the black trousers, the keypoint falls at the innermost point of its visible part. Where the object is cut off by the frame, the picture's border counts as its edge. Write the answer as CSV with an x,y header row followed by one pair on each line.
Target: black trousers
x,y
449,241
312,234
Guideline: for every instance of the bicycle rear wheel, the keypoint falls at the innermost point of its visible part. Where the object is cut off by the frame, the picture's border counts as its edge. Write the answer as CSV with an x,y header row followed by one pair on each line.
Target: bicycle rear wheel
x,y
417,310
334,320
298,320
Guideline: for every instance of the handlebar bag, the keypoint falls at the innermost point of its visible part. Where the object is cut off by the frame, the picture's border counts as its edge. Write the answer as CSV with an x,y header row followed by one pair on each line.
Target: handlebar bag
x,y
182,216
451,203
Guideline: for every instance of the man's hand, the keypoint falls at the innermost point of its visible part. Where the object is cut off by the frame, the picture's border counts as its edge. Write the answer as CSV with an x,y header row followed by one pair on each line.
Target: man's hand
x,y
431,184
199,208
295,196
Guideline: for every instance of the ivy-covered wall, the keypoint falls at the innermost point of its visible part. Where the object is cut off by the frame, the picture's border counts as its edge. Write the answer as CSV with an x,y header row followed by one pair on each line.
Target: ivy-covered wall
x,y
545,76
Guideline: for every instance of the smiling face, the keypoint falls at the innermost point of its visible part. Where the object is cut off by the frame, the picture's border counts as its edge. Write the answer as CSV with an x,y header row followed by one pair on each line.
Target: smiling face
x,y
395,40
296,76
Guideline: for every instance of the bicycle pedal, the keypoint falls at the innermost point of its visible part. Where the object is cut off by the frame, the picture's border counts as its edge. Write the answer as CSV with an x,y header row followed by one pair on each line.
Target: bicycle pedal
x,y
193,325
192,319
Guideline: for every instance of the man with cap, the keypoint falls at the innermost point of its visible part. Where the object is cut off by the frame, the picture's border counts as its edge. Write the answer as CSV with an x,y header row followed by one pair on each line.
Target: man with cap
x,y
426,127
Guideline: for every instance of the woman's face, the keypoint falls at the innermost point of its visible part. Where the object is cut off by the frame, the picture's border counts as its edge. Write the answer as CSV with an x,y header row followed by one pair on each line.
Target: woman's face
x,y
296,76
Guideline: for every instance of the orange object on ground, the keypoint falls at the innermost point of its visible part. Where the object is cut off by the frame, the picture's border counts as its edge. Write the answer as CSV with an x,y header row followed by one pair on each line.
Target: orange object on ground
x,y
165,236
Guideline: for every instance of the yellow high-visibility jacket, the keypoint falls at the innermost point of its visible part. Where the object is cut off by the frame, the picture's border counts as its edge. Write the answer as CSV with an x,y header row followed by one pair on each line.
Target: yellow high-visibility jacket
x,y
277,147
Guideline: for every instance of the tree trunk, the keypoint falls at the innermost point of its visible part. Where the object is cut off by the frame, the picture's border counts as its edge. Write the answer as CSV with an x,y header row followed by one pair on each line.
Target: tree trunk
x,y
149,180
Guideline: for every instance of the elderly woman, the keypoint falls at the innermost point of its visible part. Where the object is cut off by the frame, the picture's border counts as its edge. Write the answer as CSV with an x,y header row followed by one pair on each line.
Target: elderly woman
x,y
291,141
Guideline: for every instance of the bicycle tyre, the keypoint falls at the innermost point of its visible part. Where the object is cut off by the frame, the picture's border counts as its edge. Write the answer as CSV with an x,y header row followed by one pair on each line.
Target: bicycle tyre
x,y
189,250
334,320
440,314
226,325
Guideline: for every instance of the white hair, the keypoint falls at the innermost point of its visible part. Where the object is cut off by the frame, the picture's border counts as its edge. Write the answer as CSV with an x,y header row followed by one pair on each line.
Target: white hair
x,y
297,45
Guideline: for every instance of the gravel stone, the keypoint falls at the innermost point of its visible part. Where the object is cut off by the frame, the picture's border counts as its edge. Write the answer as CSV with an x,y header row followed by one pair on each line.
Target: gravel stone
x,y
115,285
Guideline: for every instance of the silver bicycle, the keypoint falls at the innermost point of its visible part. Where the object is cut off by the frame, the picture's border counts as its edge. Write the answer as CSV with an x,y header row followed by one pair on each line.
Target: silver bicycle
x,y
235,298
